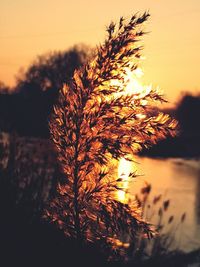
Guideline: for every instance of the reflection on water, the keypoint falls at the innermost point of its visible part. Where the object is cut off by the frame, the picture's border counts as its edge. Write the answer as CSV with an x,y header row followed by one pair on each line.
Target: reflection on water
x,y
179,181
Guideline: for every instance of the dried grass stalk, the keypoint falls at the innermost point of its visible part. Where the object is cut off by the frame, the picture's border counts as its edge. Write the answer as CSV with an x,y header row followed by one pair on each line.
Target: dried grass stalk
x,y
93,125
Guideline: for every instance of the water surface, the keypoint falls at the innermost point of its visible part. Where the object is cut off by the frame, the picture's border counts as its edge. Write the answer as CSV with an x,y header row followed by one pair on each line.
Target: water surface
x,y
179,181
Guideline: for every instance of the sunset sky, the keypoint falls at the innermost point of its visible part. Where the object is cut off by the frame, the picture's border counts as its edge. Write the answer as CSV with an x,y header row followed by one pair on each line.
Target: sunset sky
x,y
29,28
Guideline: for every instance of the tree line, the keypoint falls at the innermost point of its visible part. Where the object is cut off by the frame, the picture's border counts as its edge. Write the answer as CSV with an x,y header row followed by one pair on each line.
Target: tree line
x,y
25,109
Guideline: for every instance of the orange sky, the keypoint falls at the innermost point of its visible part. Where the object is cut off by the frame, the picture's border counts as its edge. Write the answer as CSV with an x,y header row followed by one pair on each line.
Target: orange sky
x,y
32,27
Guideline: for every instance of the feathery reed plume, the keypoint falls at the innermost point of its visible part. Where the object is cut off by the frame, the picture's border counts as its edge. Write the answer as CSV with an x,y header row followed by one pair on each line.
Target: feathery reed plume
x,y
96,122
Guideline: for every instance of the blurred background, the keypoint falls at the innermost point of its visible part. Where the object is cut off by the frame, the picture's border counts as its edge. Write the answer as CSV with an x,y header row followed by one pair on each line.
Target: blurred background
x,y
42,43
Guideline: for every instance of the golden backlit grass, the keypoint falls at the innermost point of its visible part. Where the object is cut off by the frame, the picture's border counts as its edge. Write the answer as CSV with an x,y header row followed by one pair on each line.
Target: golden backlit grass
x,y
96,122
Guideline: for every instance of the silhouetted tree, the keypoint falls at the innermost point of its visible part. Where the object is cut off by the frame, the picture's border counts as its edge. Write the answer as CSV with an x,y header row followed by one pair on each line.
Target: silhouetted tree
x,y
27,110
187,113
4,89
52,70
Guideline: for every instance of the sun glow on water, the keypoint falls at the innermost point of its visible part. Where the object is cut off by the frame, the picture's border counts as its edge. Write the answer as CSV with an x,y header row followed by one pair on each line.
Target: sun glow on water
x,y
124,170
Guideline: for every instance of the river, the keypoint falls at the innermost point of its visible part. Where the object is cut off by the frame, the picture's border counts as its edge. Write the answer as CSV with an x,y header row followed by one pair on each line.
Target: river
x,y
179,181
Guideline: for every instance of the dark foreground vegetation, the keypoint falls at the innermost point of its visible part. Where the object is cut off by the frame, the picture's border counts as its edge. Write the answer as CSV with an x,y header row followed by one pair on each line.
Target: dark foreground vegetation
x,y
27,180
28,175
